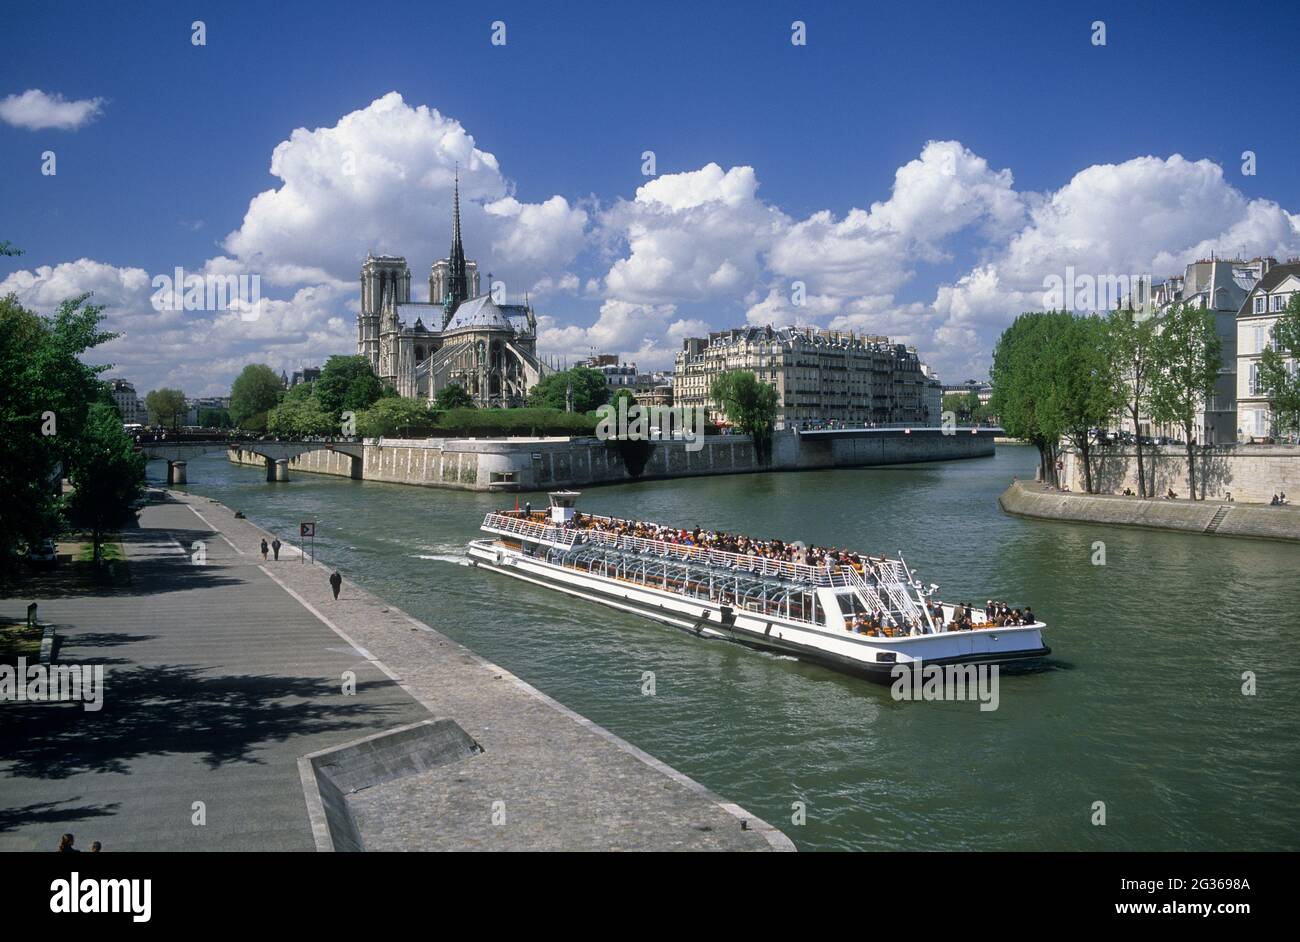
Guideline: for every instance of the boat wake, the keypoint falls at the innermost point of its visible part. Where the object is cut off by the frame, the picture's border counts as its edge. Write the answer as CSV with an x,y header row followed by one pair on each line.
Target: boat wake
x,y
445,558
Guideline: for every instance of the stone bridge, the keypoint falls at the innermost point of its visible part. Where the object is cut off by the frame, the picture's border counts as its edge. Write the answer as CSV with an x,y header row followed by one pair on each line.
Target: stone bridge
x,y
277,454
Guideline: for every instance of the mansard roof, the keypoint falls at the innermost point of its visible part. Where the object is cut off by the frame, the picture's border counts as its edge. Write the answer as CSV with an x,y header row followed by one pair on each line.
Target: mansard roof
x,y
1275,276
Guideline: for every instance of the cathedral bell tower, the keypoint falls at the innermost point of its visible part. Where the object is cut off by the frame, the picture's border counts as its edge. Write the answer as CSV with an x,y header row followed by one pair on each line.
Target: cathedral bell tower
x,y
385,283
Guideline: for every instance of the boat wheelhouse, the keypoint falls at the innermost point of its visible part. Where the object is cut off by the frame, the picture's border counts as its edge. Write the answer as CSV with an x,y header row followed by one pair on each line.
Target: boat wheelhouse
x,y
815,612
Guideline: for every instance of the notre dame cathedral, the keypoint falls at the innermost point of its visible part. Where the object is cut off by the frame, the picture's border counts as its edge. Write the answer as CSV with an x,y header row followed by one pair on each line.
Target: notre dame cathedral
x,y
489,349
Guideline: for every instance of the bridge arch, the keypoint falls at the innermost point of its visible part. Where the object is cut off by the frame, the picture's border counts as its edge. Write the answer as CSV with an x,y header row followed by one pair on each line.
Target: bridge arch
x,y
276,454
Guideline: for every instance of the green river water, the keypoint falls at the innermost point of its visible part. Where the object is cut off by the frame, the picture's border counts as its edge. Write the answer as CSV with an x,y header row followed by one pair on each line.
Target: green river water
x,y
1140,705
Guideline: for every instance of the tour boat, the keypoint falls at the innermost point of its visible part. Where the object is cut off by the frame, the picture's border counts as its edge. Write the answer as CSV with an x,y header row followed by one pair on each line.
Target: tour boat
x,y
789,607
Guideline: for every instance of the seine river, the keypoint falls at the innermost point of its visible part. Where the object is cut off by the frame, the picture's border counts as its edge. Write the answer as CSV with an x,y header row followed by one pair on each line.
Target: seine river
x,y
1140,707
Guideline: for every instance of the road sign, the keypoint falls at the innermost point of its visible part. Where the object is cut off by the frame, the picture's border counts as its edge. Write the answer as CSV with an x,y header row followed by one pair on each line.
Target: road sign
x,y
307,529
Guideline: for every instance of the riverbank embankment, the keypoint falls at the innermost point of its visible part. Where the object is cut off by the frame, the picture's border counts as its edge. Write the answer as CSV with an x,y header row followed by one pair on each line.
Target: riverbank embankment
x,y
1211,517
247,708
518,464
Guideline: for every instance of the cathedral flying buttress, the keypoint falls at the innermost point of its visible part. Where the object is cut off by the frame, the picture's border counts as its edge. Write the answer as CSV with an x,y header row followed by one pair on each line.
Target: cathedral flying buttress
x,y
488,349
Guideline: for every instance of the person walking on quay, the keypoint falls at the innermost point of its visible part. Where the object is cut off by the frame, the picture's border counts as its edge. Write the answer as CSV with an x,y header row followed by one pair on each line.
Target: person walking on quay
x,y
65,844
275,547
264,550
336,581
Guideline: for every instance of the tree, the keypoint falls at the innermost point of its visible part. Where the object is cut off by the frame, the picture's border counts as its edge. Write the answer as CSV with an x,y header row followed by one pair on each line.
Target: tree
x,y
1082,393
750,405
1278,379
965,406
403,418
588,387
165,406
1132,345
256,391
7,248
453,396
107,476
214,418
299,417
1022,386
46,391
347,384
1187,354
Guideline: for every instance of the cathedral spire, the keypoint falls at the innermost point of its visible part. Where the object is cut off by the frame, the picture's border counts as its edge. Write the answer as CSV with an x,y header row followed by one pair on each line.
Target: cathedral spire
x,y
457,281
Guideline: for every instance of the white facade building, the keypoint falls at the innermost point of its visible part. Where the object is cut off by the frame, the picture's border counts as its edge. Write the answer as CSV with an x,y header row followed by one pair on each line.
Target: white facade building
x,y
1255,319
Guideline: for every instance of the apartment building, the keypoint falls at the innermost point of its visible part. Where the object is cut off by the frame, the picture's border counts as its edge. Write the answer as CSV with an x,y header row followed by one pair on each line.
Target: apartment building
x,y
1255,319
819,375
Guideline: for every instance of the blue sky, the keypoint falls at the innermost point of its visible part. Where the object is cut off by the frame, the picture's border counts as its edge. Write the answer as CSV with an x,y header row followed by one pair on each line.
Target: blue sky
x,y
183,138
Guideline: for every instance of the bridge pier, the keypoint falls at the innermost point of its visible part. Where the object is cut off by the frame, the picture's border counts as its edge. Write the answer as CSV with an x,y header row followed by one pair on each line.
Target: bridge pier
x,y
176,472
277,469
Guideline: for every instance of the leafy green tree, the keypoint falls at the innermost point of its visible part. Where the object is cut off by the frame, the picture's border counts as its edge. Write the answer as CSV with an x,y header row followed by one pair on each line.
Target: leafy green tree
x,y
300,393
1082,393
750,405
165,406
1021,376
965,406
1279,380
1132,349
107,476
453,396
619,396
31,507
588,386
46,391
255,392
7,248
347,384
1187,357
215,418
299,417
396,417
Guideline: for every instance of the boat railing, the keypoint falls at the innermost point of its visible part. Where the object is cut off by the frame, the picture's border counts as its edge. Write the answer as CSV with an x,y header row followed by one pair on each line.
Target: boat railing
x,y
834,576
503,523
759,565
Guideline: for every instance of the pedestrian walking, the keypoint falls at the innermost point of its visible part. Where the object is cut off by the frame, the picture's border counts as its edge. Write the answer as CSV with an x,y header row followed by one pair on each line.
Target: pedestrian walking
x,y
336,581
264,548
275,546
65,844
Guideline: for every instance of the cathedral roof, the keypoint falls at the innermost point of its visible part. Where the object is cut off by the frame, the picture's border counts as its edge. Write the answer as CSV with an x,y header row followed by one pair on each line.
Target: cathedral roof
x,y
480,313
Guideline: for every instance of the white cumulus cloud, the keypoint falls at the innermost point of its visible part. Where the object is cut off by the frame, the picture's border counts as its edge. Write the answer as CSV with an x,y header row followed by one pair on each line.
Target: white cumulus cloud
x,y
37,110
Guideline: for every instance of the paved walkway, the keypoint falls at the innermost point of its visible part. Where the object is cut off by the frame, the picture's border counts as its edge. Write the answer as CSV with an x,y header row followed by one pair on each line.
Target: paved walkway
x,y
220,676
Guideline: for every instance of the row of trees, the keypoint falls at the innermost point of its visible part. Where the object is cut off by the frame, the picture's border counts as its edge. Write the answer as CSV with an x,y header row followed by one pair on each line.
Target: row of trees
x,y
58,419
1059,376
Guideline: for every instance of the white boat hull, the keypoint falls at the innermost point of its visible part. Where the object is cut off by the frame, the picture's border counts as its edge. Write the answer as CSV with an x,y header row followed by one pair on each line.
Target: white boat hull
x,y
873,657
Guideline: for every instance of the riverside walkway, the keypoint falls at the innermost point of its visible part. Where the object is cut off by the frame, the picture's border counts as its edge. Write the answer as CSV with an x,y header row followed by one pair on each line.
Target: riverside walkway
x,y
224,679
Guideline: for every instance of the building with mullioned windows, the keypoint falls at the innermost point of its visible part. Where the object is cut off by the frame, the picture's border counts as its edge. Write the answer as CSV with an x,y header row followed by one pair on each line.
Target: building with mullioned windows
x,y
819,375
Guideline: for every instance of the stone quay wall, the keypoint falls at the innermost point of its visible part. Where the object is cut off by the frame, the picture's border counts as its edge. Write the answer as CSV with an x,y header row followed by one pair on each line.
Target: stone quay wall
x,y
1250,473
540,464
1032,499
